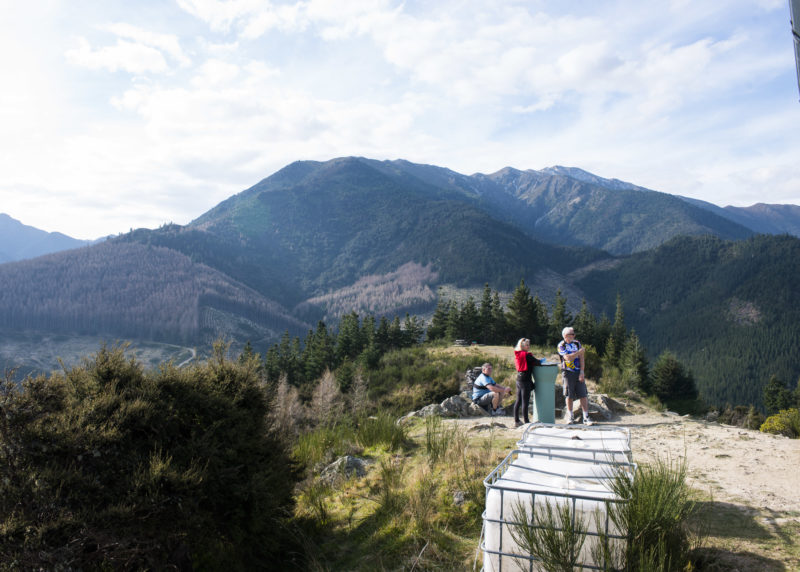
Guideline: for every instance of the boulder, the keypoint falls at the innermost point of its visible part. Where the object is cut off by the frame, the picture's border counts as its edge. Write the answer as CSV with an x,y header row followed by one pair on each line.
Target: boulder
x,y
344,467
455,406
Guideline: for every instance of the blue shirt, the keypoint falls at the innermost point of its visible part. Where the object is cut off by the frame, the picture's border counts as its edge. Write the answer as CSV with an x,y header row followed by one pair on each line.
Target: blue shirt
x,y
565,348
480,385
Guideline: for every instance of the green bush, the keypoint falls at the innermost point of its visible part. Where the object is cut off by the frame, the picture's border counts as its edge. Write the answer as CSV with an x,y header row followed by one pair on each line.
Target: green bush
x,y
654,517
552,533
109,466
785,422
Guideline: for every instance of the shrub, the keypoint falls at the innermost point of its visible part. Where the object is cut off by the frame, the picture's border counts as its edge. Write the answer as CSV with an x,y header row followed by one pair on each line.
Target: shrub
x,y
654,517
109,466
551,533
785,422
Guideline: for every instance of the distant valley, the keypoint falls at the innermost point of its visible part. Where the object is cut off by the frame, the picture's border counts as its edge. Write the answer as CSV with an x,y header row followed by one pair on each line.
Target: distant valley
x,y
318,239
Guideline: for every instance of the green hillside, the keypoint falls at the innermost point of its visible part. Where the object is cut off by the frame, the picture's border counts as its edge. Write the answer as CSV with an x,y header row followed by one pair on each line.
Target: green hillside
x,y
325,225
729,310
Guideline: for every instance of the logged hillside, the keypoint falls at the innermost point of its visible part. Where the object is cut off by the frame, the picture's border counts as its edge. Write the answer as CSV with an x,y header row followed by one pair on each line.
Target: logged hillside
x,y
730,310
131,290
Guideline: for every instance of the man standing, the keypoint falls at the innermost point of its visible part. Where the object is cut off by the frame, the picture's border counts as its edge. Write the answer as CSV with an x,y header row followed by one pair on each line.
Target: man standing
x,y
486,392
572,375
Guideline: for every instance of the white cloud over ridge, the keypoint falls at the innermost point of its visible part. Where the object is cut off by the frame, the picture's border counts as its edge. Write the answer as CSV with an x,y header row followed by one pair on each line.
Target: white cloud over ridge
x,y
170,114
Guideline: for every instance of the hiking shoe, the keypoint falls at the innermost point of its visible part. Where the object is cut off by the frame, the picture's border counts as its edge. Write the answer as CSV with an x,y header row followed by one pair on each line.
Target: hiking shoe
x,y
518,424
499,411
569,419
588,422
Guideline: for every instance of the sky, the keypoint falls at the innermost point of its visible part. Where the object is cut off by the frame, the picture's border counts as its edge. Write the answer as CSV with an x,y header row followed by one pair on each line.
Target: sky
x,y
117,115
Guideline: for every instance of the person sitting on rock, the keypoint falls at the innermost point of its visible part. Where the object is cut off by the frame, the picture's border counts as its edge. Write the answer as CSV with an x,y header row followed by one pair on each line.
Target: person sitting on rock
x,y
486,393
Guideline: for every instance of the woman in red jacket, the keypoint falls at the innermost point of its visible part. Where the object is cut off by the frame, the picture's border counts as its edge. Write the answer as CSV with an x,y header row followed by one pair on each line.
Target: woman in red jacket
x,y
524,362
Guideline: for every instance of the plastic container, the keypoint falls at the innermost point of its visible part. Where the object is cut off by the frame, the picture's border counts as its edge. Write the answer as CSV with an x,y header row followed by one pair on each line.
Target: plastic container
x,y
608,444
526,481
544,394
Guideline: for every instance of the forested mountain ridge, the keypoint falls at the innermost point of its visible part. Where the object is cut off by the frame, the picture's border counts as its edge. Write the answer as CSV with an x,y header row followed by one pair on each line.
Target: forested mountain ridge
x,y
127,290
327,225
319,239
729,309
19,241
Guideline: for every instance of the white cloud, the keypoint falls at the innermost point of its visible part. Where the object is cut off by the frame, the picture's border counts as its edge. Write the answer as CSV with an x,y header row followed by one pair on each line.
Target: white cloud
x,y
124,55
166,43
680,97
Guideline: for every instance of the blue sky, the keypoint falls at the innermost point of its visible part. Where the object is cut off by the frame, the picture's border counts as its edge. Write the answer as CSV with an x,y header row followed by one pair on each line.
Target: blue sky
x,y
119,115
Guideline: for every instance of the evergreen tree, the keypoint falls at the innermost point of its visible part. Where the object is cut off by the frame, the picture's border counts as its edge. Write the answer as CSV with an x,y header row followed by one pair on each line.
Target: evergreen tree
x,y
469,320
319,353
670,379
602,333
585,325
349,341
382,335
521,312
413,329
249,354
499,329
618,330
395,334
610,357
367,330
454,330
485,322
437,329
560,318
538,330
776,395
633,363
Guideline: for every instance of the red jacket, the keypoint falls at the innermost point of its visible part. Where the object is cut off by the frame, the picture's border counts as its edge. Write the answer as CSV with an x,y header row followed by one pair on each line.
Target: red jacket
x,y
520,360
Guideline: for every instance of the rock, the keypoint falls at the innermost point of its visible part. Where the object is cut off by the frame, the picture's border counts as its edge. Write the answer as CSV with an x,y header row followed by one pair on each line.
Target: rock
x,y
455,406
599,405
459,497
477,411
347,466
428,410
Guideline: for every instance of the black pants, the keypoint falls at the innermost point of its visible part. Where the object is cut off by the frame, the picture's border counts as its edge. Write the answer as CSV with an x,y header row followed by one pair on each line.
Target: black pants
x,y
524,389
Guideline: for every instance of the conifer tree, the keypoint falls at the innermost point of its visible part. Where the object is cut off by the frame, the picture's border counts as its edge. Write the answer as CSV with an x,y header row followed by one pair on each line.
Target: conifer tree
x,y
633,363
382,335
454,329
485,316
499,328
413,330
438,326
560,318
602,333
776,395
319,352
585,325
521,316
538,330
349,342
469,320
618,330
395,334
670,379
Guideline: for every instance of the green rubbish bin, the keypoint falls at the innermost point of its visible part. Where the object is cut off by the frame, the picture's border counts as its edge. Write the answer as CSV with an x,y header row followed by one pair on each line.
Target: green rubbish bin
x,y
544,395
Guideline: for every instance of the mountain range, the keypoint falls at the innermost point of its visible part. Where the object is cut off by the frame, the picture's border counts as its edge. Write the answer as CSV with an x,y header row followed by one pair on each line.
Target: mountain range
x,y
19,241
318,239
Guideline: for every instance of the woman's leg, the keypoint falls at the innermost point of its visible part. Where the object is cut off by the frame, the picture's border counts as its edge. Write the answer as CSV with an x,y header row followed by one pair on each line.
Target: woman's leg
x,y
526,401
518,401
